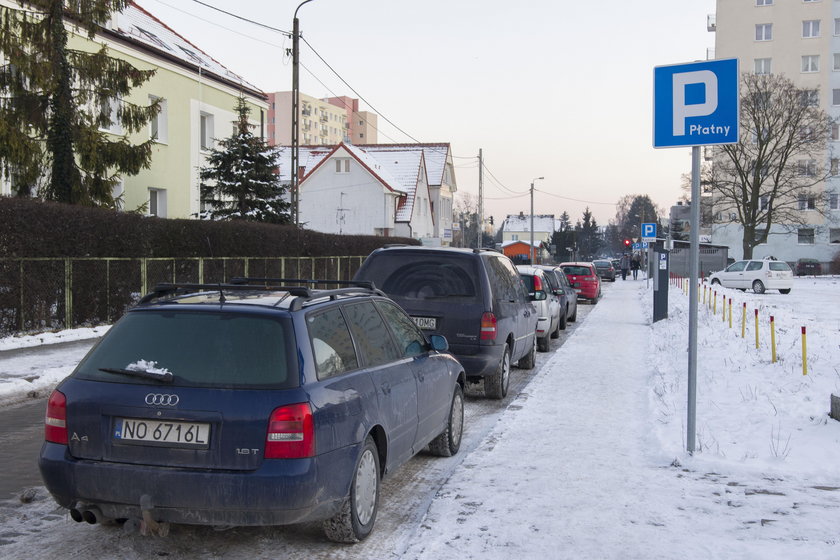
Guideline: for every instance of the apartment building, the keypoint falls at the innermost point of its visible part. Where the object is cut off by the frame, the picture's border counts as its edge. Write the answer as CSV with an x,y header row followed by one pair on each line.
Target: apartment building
x,y
363,124
801,40
323,122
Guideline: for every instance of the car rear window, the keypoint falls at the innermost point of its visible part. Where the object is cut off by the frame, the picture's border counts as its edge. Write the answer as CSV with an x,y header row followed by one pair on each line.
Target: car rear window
x,y
200,350
779,266
421,277
578,270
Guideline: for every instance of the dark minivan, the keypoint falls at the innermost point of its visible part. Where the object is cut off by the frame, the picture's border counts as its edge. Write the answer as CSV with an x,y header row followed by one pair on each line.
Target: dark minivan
x,y
474,297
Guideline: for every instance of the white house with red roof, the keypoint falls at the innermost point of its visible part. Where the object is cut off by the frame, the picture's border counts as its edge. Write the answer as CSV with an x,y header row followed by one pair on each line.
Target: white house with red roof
x,y
348,189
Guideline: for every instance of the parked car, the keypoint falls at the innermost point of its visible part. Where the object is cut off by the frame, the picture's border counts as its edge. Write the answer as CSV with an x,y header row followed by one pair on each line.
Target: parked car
x,y
807,267
472,296
259,403
568,295
605,269
546,301
584,279
758,275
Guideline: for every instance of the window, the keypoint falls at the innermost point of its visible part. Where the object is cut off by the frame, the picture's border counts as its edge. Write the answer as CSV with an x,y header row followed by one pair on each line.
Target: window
x,y
157,202
805,236
837,26
760,234
835,166
342,165
834,235
206,131
158,128
835,132
810,28
736,266
764,202
762,66
807,202
764,31
754,265
763,2
806,167
410,341
834,201
836,66
331,343
810,98
109,111
370,333
811,63
118,194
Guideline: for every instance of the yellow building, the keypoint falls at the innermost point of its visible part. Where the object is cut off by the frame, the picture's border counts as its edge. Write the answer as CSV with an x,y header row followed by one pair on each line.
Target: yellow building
x,y
198,99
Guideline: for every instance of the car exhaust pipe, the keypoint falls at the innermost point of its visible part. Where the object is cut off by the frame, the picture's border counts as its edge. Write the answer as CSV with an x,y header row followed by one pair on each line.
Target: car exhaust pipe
x,y
76,515
92,515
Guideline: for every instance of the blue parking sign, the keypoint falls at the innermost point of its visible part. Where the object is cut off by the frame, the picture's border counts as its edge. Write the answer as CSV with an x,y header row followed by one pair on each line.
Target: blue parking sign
x,y
649,232
696,104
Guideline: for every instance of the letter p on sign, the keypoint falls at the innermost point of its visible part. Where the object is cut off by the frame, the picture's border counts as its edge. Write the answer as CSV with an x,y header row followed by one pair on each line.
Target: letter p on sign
x,y
696,104
682,109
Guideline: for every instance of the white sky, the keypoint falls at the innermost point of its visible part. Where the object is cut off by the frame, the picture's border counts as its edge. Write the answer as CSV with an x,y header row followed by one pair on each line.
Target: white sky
x,y
545,88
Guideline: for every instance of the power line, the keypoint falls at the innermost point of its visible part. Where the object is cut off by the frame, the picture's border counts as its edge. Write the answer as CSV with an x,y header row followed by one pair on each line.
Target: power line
x,y
577,200
205,4
502,185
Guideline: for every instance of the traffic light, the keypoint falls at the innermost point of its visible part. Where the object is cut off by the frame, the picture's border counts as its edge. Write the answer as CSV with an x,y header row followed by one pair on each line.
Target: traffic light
x,y
627,243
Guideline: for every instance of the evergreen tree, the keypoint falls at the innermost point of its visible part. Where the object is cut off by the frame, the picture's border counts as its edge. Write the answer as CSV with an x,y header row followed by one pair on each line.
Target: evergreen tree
x,y
55,102
241,179
564,239
589,238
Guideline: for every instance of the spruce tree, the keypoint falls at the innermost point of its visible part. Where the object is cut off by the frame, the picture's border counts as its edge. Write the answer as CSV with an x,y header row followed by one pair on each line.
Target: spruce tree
x,y
241,180
55,102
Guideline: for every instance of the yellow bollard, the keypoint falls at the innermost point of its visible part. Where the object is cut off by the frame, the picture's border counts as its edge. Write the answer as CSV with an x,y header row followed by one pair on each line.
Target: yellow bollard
x,y
756,329
772,340
730,313
714,309
704,294
804,354
744,321
723,304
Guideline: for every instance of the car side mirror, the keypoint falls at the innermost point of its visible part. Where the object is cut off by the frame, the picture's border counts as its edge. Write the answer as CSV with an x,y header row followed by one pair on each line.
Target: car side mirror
x,y
538,296
439,343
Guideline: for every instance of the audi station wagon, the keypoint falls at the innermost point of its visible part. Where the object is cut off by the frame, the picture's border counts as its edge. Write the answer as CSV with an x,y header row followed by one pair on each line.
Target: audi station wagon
x,y
260,402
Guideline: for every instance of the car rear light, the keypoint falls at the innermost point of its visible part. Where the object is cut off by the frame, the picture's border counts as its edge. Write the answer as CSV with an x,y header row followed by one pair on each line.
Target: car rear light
x,y
488,326
538,284
55,422
291,433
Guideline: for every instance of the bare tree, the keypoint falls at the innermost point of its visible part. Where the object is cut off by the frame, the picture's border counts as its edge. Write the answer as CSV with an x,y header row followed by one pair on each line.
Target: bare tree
x,y
771,174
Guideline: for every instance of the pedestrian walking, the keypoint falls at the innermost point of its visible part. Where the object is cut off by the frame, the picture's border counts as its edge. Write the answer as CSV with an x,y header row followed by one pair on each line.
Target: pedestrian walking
x,y
625,265
635,265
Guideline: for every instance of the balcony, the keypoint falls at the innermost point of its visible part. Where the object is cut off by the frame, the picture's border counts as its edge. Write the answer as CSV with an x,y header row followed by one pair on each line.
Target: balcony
x,y
711,22
324,117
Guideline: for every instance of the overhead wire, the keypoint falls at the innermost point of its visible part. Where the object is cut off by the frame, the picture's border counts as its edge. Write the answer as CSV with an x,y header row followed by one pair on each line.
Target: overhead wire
x,y
576,199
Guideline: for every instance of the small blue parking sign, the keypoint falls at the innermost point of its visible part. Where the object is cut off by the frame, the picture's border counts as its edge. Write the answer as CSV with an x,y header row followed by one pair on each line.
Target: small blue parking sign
x,y
695,104
649,232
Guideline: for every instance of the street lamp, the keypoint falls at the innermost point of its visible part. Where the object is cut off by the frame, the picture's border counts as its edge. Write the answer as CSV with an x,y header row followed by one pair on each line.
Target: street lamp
x,y
295,195
531,248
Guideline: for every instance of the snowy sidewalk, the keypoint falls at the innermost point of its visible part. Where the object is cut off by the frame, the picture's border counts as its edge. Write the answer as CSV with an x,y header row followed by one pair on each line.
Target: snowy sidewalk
x,y
574,470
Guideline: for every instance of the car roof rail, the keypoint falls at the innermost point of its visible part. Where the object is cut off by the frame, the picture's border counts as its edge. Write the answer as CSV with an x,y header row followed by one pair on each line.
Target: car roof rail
x,y
294,286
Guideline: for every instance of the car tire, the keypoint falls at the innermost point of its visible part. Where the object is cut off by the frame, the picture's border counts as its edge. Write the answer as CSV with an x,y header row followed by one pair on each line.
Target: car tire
x,y
496,385
543,343
357,514
448,442
573,317
529,360
758,287
785,291
561,325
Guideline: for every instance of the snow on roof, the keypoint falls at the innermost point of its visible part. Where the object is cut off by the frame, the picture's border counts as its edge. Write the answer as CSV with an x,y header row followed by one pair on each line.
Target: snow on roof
x,y
138,25
522,222
435,155
406,167
537,242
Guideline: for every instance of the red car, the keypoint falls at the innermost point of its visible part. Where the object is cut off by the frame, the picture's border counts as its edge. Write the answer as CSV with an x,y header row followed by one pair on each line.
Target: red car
x,y
584,279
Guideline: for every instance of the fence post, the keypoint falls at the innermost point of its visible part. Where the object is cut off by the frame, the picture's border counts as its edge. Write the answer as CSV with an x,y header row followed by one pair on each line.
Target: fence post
x,y
68,294
201,270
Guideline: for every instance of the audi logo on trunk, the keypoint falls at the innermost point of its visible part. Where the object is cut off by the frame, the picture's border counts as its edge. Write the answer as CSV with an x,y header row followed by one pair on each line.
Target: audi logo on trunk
x,y
162,400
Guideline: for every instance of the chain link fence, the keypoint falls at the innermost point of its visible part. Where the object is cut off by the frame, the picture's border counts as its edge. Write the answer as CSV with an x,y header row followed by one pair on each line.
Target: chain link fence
x,y
46,294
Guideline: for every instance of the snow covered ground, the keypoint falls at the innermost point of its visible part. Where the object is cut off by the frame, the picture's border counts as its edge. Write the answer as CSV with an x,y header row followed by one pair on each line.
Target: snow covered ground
x,y
590,461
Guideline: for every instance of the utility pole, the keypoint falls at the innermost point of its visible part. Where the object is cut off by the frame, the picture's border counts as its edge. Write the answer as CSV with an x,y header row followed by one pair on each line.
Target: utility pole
x,y
480,200
295,193
531,248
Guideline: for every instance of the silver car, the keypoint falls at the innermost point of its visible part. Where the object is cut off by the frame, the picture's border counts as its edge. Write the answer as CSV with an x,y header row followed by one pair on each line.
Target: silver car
x,y
757,275
546,301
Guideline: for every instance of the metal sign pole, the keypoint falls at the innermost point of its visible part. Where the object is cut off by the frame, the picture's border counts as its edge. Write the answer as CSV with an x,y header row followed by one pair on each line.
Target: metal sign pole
x,y
693,292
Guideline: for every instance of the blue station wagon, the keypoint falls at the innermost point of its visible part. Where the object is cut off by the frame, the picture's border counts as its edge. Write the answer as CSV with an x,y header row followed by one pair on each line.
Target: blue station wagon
x,y
260,402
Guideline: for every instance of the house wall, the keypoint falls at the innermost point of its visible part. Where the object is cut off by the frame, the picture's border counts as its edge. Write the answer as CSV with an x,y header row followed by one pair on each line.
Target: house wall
x,y
353,203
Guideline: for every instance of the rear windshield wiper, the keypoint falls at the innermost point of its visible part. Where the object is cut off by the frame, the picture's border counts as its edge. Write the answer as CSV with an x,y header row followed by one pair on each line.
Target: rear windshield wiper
x,y
163,377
